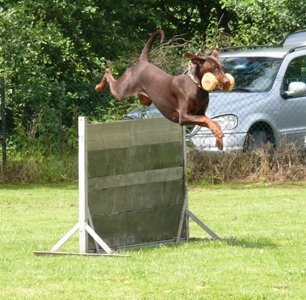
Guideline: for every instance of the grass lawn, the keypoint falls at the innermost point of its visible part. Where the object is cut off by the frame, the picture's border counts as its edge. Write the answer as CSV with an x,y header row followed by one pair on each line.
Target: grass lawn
x,y
262,254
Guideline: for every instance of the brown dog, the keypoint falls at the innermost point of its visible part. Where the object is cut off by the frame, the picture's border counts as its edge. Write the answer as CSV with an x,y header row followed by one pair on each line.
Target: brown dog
x,y
181,99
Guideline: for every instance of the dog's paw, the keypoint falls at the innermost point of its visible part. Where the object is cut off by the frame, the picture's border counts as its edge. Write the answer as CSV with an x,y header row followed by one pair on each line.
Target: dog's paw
x,y
219,143
219,139
101,86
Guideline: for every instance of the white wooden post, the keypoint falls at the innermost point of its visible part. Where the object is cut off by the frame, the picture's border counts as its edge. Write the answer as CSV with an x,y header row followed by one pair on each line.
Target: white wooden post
x,y
83,185
184,216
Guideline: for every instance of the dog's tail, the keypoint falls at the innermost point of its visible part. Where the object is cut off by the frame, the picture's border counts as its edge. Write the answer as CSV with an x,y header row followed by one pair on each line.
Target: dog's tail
x,y
145,52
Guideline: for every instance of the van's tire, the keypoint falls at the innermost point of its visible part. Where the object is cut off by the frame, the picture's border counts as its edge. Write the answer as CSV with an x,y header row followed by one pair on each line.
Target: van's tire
x,y
255,140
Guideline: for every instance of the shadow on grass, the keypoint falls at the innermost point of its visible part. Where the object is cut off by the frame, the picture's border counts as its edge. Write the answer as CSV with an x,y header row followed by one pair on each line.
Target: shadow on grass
x,y
67,185
261,242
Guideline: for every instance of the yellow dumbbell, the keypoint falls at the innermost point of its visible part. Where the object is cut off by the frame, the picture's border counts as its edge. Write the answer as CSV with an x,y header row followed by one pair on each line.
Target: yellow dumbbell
x,y
209,82
229,86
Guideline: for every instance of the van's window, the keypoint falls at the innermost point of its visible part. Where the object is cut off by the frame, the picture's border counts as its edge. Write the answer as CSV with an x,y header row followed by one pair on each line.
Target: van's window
x,y
296,71
253,74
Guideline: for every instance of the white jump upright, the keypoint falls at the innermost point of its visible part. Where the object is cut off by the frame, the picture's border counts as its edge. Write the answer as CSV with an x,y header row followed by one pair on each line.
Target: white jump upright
x,y
132,187
85,221
84,225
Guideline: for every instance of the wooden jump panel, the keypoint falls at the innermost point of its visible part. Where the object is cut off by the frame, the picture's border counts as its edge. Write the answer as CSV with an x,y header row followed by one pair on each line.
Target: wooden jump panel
x,y
145,157
136,181
120,199
126,134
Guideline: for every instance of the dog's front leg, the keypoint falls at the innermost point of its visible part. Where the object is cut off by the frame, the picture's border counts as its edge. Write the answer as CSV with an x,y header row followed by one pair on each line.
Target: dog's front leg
x,y
217,131
204,121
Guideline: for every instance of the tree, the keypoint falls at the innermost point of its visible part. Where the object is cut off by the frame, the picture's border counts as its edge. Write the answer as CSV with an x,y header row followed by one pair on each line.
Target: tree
x,y
42,63
264,22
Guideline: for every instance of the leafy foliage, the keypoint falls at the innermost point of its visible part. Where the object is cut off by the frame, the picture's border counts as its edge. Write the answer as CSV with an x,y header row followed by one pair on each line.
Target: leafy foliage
x,y
264,22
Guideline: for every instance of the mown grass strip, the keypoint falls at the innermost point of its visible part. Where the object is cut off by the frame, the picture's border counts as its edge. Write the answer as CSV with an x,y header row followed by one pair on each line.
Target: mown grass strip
x,y
261,254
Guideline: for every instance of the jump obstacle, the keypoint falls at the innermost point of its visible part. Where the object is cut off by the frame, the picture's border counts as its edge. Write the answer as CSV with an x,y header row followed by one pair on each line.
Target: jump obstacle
x,y
132,187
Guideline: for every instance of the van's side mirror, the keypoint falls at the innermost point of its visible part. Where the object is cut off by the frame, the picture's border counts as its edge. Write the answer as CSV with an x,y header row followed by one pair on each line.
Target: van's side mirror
x,y
295,89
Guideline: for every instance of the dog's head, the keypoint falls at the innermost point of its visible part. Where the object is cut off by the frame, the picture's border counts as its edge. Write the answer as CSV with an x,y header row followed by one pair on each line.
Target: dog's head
x,y
209,72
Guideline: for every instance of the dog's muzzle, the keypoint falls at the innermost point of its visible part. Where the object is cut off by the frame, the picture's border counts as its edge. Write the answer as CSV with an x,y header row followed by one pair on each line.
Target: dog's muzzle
x,y
209,82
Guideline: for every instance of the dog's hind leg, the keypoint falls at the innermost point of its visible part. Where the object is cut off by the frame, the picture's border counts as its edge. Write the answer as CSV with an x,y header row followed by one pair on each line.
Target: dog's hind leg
x,y
108,77
144,100
122,88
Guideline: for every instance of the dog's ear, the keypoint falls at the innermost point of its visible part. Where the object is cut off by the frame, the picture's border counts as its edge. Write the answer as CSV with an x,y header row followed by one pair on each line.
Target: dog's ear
x,y
195,59
216,52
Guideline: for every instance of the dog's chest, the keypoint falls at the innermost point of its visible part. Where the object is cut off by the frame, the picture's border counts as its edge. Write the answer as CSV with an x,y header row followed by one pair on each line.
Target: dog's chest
x,y
198,105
